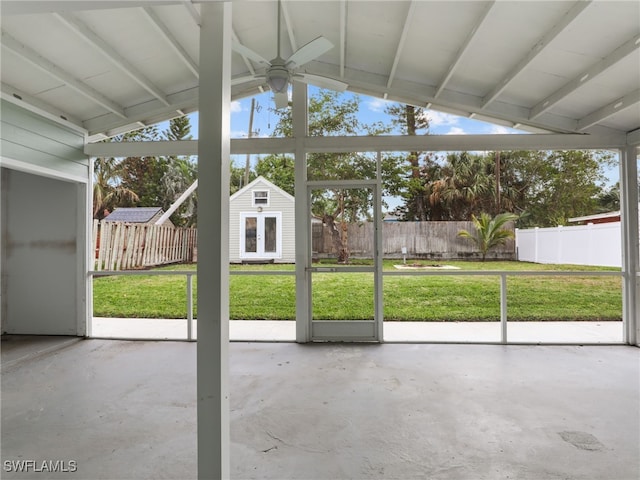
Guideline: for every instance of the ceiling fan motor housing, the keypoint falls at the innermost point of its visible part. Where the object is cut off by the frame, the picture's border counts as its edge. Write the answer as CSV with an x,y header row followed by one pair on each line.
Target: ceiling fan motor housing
x,y
278,76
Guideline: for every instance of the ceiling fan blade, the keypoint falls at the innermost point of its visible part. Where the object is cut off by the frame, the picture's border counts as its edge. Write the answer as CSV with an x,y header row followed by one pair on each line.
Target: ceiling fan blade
x,y
308,52
322,82
281,100
247,52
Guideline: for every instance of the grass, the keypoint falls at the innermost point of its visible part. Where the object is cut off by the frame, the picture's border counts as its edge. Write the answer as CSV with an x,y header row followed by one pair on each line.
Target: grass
x,y
349,295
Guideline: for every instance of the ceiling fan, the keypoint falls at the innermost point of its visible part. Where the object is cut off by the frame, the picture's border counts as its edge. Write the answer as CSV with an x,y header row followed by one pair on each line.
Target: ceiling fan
x,y
279,71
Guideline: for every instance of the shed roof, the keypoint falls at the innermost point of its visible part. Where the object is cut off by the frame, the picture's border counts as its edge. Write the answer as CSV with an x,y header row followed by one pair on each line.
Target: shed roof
x,y
262,181
133,214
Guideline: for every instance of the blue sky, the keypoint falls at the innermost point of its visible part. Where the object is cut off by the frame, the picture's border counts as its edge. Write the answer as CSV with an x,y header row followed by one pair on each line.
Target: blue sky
x,y
371,110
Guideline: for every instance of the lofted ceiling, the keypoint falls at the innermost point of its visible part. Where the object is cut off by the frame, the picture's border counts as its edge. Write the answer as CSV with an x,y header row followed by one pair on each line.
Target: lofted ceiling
x,y
541,66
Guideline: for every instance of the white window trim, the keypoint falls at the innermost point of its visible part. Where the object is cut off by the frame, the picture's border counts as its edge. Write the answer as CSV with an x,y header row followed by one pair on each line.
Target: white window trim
x,y
253,198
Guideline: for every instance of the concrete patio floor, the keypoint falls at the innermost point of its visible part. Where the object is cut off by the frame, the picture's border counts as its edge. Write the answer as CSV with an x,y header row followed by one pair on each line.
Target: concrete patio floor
x,y
285,331
127,410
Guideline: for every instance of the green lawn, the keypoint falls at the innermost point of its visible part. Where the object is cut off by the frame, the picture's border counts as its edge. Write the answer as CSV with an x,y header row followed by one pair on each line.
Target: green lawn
x,y
350,295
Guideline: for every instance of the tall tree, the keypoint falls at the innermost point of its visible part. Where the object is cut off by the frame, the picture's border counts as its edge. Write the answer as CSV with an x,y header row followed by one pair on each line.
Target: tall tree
x,y
108,191
560,185
279,170
179,129
237,176
410,120
544,188
609,199
331,114
179,174
143,175
465,187
112,186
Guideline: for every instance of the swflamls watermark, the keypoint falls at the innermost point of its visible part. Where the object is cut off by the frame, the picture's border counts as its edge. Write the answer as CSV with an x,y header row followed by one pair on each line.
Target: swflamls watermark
x,y
40,466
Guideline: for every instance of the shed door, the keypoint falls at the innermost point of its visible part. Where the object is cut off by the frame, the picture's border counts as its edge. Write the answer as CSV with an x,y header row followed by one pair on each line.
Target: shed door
x,y
261,235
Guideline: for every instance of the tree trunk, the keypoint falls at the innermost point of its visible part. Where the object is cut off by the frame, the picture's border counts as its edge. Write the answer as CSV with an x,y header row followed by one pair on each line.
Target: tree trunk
x,y
337,238
414,160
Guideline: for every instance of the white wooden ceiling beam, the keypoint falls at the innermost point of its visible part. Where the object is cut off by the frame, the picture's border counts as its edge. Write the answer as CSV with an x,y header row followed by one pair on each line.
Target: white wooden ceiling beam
x,y
246,61
110,53
465,104
193,11
633,138
609,110
464,48
22,7
171,41
538,48
288,26
36,105
585,77
403,38
391,143
150,112
35,59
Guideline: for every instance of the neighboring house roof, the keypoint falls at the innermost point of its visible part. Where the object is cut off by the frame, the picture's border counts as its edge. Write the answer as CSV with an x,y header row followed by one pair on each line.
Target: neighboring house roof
x,y
597,218
262,181
134,214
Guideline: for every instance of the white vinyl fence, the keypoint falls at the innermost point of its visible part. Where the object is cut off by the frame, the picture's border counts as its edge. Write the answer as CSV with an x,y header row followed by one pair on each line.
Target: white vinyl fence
x,y
593,244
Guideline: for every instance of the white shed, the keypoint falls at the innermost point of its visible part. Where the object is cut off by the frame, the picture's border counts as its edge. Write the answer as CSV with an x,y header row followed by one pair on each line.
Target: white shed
x,y
261,224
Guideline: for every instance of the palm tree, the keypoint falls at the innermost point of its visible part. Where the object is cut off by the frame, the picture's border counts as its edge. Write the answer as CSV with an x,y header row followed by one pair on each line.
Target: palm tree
x,y
466,186
490,232
108,191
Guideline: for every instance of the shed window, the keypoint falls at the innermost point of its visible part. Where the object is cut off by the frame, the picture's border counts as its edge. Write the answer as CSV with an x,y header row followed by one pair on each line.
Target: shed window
x,y
261,198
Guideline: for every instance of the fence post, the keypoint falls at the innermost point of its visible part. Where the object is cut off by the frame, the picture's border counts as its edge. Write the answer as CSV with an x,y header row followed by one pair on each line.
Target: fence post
x,y
590,243
105,244
559,243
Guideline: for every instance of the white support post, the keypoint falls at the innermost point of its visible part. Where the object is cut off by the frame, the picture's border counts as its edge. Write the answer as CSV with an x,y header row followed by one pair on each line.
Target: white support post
x,y
190,308
378,251
175,205
302,224
503,309
630,243
90,255
213,241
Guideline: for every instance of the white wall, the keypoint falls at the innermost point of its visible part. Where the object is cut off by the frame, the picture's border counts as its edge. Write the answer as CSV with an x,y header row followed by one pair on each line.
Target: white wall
x,y
593,244
44,223
40,267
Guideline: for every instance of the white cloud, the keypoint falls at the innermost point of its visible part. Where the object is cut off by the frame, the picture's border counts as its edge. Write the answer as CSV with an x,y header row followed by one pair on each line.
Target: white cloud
x,y
438,119
500,130
456,131
236,106
377,104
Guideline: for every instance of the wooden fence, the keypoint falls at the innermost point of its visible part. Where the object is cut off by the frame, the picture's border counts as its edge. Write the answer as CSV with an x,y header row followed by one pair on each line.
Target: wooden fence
x,y
426,240
127,246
